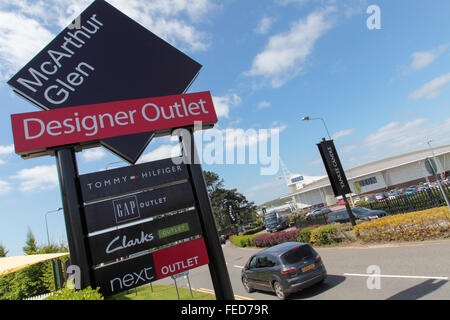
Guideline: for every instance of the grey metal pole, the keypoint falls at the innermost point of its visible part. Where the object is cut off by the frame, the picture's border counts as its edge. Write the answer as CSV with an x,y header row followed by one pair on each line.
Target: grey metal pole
x,y
438,180
46,223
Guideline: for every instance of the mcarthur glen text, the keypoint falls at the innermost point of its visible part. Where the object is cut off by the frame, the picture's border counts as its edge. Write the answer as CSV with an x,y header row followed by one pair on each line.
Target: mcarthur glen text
x,y
59,91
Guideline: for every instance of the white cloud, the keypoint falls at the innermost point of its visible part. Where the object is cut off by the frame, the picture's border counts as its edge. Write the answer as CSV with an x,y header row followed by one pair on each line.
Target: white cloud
x,y
162,152
20,39
264,105
6,149
430,90
399,137
343,133
395,133
223,104
239,137
91,155
37,178
422,59
25,24
5,187
264,25
285,53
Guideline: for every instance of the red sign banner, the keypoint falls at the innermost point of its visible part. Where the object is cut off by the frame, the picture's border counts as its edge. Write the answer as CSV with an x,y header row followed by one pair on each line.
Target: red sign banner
x,y
179,258
37,131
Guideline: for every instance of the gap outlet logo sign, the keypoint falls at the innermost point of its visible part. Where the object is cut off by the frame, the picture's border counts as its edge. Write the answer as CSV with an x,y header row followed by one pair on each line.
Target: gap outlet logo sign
x,y
109,57
147,204
37,131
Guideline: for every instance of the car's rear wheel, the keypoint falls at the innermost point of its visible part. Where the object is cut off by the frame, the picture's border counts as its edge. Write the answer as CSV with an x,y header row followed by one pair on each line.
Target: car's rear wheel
x,y
279,291
246,285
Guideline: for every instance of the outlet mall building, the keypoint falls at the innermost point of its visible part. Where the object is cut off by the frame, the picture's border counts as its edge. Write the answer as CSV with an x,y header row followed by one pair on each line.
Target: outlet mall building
x,y
399,171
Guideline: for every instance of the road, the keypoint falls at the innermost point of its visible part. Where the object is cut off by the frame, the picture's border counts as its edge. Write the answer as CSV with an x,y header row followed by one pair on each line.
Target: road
x,y
408,271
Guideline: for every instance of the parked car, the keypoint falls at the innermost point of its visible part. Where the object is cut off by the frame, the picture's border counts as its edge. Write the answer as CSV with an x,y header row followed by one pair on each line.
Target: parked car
x,y
380,196
283,269
318,212
370,198
359,213
394,194
410,191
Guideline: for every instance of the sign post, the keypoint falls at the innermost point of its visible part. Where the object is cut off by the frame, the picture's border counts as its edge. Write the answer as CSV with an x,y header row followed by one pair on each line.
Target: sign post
x,y
116,84
217,266
431,167
71,199
336,173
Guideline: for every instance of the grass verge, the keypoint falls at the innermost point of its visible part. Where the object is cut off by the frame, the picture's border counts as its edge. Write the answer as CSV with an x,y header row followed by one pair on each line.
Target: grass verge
x,y
161,292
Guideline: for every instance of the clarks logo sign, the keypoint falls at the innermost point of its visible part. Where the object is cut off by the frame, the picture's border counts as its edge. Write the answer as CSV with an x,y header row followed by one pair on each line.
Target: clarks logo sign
x,y
117,244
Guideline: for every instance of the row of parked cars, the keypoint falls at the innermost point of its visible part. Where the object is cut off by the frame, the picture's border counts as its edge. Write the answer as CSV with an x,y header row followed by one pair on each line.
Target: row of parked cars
x,y
342,214
398,193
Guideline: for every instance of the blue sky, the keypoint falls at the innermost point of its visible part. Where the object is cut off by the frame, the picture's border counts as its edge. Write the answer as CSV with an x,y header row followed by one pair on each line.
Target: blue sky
x,y
267,63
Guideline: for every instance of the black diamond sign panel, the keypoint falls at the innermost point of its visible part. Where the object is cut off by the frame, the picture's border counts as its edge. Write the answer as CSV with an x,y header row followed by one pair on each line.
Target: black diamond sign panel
x,y
106,57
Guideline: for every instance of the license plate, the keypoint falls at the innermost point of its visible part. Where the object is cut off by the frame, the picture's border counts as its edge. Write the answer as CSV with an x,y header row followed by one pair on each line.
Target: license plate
x,y
311,266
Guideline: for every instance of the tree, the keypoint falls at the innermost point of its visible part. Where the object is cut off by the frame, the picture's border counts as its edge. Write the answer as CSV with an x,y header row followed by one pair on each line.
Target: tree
x,y
222,200
33,280
3,251
30,244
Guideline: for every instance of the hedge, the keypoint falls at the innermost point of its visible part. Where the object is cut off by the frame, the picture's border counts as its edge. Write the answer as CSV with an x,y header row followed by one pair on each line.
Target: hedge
x,y
325,234
243,240
304,235
419,225
70,294
268,240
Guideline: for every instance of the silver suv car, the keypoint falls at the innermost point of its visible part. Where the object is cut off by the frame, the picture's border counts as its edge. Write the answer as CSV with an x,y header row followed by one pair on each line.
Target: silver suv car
x,y
284,269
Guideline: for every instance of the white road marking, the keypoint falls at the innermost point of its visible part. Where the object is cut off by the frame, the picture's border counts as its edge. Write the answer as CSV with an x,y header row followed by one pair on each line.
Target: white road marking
x,y
240,267
393,276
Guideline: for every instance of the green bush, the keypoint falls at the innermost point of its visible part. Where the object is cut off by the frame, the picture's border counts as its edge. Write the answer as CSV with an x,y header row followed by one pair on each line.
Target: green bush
x,y
243,240
304,235
325,234
253,231
69,294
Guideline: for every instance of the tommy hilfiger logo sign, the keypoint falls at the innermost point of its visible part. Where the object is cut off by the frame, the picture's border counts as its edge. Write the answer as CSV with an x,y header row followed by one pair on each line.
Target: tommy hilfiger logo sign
x,y
102,184
124,179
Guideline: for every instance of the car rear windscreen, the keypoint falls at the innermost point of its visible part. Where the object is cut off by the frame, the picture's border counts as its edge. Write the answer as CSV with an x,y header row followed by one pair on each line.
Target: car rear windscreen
x,y
297,254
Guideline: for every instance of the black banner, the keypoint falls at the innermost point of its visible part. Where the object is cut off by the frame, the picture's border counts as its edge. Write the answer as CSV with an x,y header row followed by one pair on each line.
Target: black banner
x,y
105,56
113,212
109,183
334,168
136,238
121,276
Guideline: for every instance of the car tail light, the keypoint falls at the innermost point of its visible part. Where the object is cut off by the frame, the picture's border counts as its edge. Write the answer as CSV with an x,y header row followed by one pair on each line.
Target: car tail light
x,y
285,271
318,259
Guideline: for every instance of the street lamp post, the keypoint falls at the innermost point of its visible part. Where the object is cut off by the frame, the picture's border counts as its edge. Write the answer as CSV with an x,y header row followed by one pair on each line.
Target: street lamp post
x,y
46,224
438,180
324,124
344,197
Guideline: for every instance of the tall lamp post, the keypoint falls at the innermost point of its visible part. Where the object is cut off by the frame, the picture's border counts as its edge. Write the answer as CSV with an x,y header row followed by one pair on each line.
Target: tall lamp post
x,y
344,197
437,176
324,124
46,224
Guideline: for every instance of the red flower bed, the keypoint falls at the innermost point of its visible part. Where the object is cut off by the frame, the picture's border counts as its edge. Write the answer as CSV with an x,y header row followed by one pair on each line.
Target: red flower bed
x,y
268,240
